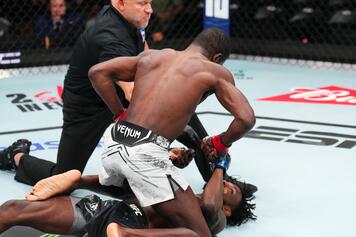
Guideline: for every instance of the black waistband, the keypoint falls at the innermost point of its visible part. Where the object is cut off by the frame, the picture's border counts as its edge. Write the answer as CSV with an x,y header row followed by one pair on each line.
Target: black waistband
x,y
131,134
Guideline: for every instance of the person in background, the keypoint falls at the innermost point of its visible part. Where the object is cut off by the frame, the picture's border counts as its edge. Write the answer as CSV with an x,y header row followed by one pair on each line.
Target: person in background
x,y
164,18
58,29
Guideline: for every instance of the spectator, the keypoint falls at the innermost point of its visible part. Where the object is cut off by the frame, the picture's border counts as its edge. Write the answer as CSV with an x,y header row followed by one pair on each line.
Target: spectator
x,y
94,10
58,29
79,8
38,7
164,17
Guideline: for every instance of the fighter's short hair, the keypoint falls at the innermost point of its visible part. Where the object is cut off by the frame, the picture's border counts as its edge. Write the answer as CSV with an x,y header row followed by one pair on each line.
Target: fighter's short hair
x,y
214,41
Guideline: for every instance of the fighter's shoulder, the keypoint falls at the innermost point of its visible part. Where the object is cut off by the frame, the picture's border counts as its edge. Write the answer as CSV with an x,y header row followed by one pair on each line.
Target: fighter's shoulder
x,y
155,52
219,71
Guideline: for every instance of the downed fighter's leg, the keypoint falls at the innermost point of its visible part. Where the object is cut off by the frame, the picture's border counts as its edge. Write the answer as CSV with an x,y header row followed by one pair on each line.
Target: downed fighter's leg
x,y
116,230
54,185
54,215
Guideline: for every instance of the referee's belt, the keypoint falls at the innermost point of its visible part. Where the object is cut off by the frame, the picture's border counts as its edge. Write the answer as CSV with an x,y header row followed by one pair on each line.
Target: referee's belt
x,y
131,135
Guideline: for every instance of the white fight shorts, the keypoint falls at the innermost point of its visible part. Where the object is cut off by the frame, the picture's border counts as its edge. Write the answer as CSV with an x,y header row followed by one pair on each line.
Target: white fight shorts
x,y
142,157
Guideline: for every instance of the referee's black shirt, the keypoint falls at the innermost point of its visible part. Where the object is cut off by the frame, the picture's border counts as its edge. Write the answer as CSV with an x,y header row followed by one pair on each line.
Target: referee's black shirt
x,y
111,36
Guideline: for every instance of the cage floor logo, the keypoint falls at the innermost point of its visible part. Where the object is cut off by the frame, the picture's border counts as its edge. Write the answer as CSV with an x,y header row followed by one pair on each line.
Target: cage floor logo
x,y
322,95
44,100
299,136
241,75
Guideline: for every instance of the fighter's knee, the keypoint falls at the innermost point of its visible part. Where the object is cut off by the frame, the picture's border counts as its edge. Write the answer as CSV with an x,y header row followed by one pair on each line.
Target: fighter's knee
x,y
115,230
10,205
9,210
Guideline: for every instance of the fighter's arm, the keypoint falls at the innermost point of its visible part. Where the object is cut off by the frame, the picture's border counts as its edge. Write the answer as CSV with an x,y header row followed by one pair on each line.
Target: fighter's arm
x,y
211,202
127,87
234,101
103,76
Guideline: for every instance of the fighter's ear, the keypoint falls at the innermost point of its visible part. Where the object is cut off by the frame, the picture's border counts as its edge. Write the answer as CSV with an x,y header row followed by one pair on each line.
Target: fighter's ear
x,y
227,210
217,58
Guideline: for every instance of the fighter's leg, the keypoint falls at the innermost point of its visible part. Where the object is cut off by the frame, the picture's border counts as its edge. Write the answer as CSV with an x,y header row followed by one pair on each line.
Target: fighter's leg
x,y
54,215
115,230
184,211
54,185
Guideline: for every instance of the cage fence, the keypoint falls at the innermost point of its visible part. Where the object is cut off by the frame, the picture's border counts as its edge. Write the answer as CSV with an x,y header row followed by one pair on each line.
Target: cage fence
x,y
314,33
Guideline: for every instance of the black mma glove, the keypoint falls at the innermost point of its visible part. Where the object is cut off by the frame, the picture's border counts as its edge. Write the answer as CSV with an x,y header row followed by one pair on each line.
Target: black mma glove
x,y
181,157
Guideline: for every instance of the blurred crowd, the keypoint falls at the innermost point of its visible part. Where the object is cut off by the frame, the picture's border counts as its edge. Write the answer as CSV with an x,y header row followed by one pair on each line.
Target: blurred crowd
x,y
48,24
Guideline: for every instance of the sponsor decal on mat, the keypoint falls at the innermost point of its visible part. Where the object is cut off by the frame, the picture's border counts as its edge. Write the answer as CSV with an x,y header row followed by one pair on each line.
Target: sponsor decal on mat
x,y
307,137
323,95
44,100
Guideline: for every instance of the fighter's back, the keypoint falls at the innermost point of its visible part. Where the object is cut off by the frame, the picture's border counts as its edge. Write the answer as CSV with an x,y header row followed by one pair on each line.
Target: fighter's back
x,y
169,85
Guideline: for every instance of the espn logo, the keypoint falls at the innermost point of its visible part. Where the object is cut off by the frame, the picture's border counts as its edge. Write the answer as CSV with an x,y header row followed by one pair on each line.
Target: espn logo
x,y
316,138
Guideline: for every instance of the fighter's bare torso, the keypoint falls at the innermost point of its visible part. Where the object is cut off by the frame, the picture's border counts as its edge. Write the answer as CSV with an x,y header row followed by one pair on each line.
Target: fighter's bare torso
x,y
162,79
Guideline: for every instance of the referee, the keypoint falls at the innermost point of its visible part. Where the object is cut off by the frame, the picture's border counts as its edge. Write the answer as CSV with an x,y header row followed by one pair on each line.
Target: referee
x,y
116,32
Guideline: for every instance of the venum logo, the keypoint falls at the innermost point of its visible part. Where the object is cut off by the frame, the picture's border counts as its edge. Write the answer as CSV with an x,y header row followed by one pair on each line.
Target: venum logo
x,y
128,132
45,100
322,95
317,138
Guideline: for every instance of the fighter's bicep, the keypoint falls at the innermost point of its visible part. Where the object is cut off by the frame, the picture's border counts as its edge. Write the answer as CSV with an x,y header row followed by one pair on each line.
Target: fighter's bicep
x,y
117,69
230,97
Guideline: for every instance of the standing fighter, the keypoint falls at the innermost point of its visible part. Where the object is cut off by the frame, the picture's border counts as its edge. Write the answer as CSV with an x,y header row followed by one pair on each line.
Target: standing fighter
x,y
136,148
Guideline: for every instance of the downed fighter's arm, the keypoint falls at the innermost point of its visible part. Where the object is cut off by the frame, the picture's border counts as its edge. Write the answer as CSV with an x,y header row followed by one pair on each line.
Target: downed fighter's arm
x,y
211,202
103,75
212,197
237,104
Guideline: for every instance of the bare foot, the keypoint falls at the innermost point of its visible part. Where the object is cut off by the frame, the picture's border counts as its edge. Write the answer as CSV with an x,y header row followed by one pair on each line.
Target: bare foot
x,y
54,185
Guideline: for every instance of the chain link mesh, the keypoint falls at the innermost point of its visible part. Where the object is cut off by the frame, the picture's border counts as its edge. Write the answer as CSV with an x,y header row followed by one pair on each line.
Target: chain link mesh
x,y
304,32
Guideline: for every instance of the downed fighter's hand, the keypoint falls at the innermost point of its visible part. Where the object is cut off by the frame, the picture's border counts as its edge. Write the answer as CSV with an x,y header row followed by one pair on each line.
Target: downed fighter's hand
x,y
223,163
181,157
